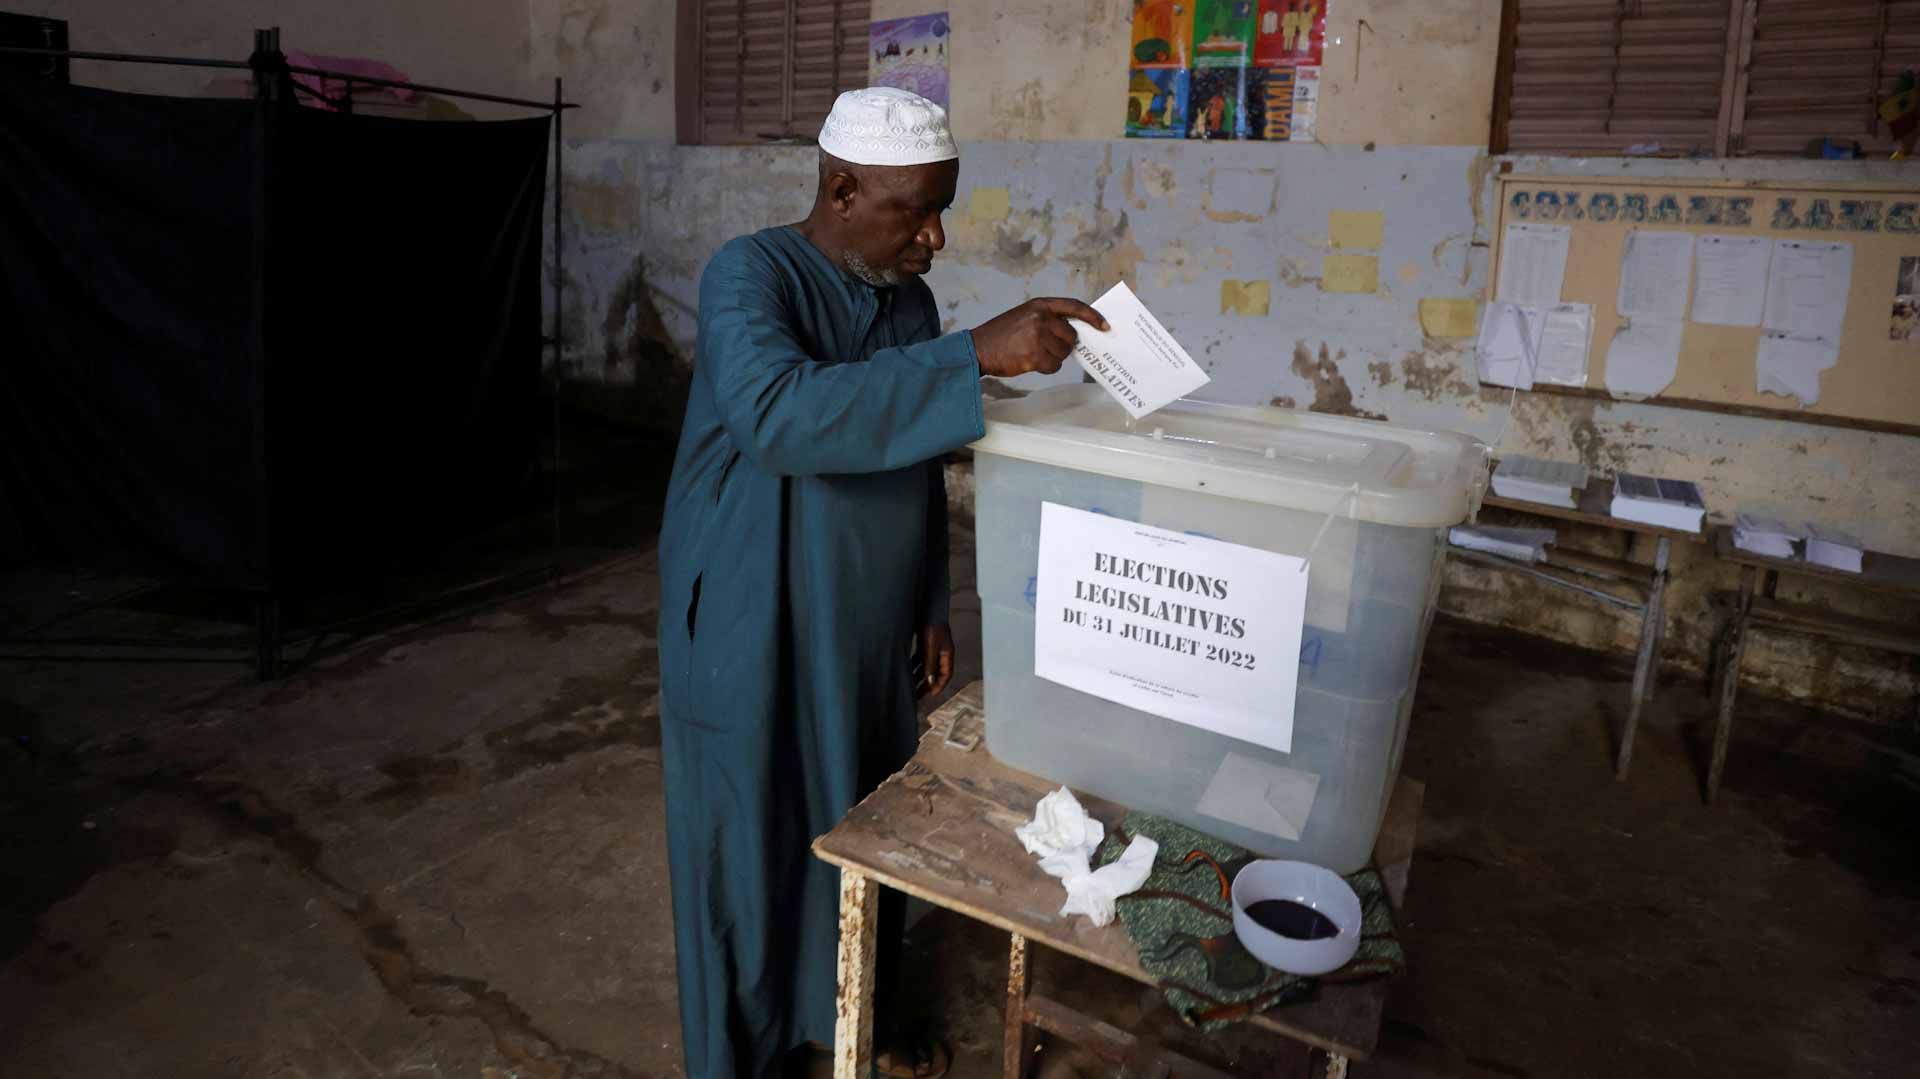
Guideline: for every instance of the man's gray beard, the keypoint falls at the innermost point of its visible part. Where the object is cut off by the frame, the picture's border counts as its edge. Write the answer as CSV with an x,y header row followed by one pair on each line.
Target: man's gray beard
x,y
858,267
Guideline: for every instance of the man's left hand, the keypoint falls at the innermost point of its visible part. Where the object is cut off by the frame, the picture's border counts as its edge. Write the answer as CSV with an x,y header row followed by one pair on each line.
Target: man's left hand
x,y
936,650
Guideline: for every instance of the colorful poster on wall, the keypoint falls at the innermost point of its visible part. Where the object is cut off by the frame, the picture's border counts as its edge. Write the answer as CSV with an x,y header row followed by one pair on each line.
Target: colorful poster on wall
x,y
1290,99
1278,93
1229,103
1162,33
1290,33
1906,302
910,53
1306,104
1223,33
1157,104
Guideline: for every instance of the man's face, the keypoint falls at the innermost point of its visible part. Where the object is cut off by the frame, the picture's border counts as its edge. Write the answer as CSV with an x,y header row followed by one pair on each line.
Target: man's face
x,y
893,214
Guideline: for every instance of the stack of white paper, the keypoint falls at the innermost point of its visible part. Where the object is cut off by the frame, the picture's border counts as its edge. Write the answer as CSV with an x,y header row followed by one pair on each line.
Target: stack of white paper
x,y
1767,536
1674,504
1531,479
1520,544
1833,549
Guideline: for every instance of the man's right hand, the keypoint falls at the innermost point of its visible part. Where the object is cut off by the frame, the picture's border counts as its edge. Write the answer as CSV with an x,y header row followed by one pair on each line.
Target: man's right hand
x,y
1032,337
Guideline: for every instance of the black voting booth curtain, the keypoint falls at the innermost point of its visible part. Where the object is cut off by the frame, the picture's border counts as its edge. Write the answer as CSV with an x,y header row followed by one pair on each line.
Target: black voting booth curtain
x,y
165,407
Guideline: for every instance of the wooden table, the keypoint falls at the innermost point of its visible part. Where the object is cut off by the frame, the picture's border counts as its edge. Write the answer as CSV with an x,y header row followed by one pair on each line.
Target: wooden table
x,y
942,829
1884,574
1604,579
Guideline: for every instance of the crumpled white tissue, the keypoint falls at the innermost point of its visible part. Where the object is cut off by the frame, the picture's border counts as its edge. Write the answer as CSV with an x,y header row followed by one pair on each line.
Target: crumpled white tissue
x,y
1065,837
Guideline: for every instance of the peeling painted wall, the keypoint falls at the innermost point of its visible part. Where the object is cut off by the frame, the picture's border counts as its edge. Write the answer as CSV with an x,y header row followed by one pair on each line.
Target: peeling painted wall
x,y
616,57
1176,220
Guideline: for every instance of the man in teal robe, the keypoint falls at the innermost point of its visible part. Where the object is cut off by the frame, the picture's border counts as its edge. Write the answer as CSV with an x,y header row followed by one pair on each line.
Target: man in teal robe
x,y
804,556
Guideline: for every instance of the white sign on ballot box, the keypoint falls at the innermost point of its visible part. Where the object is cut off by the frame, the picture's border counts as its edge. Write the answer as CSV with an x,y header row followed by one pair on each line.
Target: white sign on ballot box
x,y
1192,629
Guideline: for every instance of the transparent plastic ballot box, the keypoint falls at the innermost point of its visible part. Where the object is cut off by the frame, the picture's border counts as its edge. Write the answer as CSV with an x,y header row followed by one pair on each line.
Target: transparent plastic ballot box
x,y
1368,504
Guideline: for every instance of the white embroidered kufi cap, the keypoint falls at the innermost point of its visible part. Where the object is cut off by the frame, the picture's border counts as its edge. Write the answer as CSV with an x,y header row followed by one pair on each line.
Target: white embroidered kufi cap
x,y
883,125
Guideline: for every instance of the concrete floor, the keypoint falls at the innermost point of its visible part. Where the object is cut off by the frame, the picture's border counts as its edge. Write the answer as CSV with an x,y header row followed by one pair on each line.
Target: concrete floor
x,y
438,852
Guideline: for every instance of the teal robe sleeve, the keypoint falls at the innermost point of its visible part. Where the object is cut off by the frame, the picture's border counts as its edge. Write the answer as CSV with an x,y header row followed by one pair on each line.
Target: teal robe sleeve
x,y
796,414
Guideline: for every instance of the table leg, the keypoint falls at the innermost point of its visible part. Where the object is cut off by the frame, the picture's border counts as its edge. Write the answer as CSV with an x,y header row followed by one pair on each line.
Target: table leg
x,y
1730,683
1019,1037
1646,664
853,1022
1661,554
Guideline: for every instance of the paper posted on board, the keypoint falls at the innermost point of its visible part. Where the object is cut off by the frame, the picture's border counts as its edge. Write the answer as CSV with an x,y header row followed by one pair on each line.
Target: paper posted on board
x,y
1137,360
1730,279
1524,344
1807,285
1533,263
1654,274
1509,344
1643,358
1791,365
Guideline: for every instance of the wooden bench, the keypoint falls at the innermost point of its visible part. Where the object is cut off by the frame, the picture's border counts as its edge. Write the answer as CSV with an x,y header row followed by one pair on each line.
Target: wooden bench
x,y
1884,574
1618,582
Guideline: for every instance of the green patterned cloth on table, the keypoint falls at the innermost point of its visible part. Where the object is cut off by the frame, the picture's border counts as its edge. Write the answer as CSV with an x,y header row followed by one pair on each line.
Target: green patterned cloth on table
x,y
1181,923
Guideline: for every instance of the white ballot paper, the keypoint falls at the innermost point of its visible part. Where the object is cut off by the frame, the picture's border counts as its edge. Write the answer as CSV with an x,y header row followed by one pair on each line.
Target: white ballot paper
x,y
1807,287
1730,279
1137,361
1192,629
1643,358
1260,795
1533,263
1791,366
1653,274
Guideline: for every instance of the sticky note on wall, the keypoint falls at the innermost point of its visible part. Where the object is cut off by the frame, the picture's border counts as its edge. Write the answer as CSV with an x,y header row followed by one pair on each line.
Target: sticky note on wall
x,y
989,204
1350,273
1244,297
1444,317
1356,229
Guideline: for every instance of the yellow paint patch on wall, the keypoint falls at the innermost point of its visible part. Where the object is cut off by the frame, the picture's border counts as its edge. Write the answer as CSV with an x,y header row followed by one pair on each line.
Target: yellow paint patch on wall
x,y
989,204
1351,229
1441,317
1350,273
1245,297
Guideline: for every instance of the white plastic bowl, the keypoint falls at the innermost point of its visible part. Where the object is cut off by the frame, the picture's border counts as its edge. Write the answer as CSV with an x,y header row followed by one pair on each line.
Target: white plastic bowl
x,y
1304,883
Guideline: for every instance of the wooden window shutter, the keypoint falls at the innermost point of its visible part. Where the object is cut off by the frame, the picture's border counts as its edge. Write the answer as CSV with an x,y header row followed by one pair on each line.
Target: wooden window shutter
x,y
770,69
829,56
1600,76
1814,69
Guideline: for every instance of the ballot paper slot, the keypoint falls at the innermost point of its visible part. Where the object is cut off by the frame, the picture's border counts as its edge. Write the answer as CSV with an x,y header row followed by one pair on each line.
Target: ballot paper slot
x,y
1370,460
